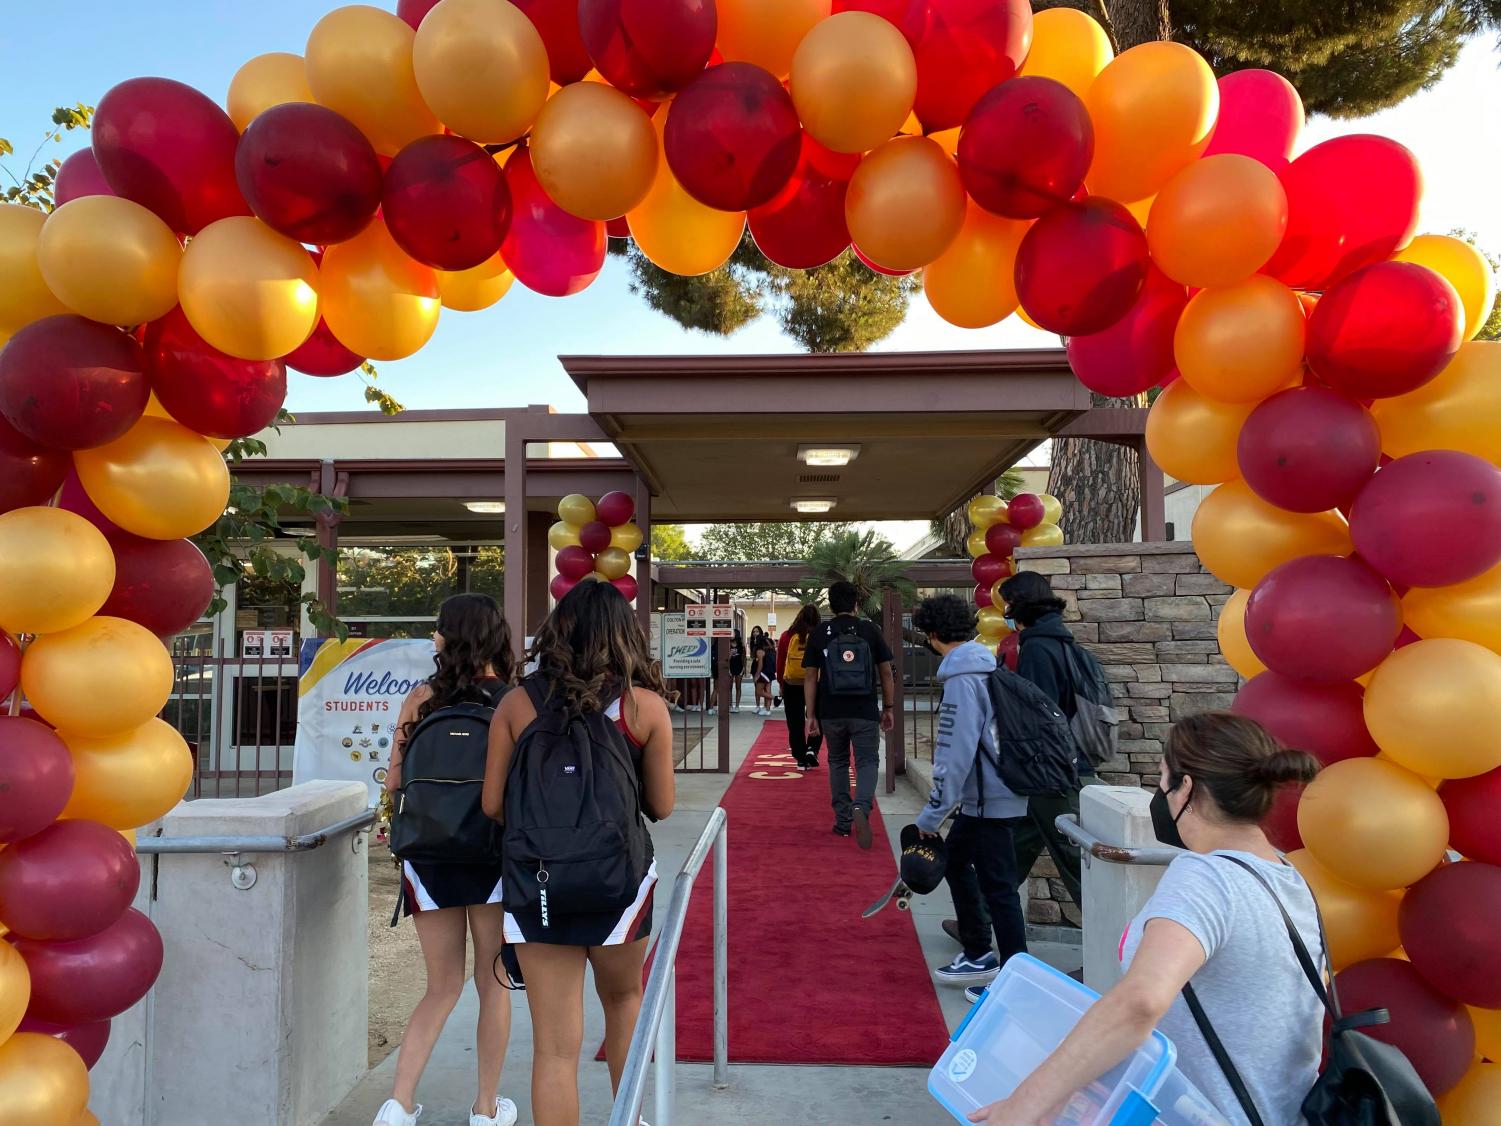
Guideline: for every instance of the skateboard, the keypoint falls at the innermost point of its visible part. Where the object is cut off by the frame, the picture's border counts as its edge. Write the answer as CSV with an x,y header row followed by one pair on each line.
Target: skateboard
x,y
899,892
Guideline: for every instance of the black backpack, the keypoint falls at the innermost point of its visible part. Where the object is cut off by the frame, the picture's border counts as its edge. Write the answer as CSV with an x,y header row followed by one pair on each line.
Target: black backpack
x,y
1034,750
437,815
849,667
575,840
1095,724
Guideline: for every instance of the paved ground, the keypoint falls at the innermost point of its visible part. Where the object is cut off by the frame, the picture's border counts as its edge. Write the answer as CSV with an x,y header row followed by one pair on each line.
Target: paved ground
x,y
758,1095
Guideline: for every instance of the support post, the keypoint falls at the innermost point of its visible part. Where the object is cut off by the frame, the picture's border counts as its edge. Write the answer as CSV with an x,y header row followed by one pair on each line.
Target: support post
x,y
645,596
327,482
515,535
1153,500
896,738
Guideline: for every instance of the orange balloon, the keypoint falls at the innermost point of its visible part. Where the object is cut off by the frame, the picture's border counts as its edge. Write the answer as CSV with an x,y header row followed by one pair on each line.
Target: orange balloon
x,y
130,778
1476,1099
1467,611
1463,267
103,677
1372,824
853,81
1241,343
479,287
24,296
15,990
905,203
1435,707
359,64
1240,537
377,301
1458,410
110,260
767,32
154,409
56,570
268,80
1217,221
1154,109
482,68
594,151
1358,923
1487,1032
675,231
970,284
43,1081
1192,438
161,481
1068,46
1231,631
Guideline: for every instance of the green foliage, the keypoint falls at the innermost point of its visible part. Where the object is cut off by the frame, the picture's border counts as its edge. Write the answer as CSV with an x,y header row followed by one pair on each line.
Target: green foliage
x,y
669,543
766,542
864,558
377,395
1491,330
33,186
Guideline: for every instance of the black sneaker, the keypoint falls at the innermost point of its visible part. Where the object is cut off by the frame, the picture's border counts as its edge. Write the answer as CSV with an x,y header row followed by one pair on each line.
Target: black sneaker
x,y
810,763
841,830
862,828
802,766
974,993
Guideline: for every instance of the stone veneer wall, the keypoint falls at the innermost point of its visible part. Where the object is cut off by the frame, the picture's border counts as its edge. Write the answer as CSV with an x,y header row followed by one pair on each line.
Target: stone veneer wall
x,y
1148,613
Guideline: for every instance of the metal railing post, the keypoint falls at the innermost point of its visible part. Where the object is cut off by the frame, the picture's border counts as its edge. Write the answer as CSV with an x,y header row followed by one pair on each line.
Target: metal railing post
x,y
722,961
667,1052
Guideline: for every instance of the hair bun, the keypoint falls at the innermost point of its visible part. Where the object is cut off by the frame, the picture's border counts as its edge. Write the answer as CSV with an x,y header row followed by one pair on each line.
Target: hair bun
x,y
1285,767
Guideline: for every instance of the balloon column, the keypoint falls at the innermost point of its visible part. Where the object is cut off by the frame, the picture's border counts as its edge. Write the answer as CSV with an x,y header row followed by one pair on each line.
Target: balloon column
x,y
1000,527
595,541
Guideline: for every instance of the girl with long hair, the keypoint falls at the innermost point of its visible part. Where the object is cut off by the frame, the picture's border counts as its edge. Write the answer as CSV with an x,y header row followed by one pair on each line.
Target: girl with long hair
x,y
790,649
473,664
763,668
592,658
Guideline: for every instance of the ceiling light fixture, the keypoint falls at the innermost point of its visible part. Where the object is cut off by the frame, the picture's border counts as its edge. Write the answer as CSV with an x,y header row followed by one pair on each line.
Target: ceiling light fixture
x,y
813,504
827,455
486,507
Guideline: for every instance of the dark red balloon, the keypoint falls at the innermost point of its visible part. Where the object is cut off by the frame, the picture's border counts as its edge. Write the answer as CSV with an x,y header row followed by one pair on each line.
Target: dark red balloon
x,y
94,978
71,880
29,473
36,777
1450,923
910,17
206,390
968,47
1385,330
1322,618
1430,519
561,585
72,384
988,570
594,536
733,138
1025,511
1081,267
649,48
88,1040
321,354
446,202
309,173
616,508
79,176
164,585
1474,824
1326,720
1351,201
1433,1031
1136,353
982,597
73,497
548,250
860,254
1308,449
1281,824
627,586
557,21
618,227
573,562
1025,147
1003,539
10,664
414,11
171,149
1260,116
803,225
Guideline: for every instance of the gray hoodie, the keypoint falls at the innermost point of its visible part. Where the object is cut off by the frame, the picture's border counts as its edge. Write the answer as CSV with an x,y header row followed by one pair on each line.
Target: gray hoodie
x,y
966,722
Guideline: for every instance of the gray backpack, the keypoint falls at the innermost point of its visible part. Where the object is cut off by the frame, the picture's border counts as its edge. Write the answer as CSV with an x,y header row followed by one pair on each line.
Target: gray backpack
x,y
1095,724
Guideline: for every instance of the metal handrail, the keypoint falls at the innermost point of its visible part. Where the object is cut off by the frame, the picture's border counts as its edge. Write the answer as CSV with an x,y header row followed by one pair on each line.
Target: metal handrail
x,y
303,843
657,1023
1068,825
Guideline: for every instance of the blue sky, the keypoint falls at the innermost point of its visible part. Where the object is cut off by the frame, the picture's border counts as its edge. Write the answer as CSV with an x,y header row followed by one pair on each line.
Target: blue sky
x,y
506,356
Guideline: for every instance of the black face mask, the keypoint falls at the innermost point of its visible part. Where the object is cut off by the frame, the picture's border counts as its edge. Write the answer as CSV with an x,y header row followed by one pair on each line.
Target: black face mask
x,y
1164,824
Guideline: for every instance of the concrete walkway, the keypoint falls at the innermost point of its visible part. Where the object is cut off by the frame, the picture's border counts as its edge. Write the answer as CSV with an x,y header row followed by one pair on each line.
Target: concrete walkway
x,y
758,1095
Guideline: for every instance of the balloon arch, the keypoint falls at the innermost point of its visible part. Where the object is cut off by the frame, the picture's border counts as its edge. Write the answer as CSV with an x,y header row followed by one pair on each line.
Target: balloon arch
x,y
1310,351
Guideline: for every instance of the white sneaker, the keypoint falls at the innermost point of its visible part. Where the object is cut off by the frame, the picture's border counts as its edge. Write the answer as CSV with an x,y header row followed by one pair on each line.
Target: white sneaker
x,y
505,1115
392,1113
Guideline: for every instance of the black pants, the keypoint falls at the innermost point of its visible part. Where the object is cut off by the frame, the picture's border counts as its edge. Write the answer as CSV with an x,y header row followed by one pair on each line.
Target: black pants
x,y
803,748
1036,832
983,879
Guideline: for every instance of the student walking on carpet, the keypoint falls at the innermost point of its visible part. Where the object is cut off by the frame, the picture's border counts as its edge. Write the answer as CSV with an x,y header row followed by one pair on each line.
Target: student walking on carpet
x,y
791,648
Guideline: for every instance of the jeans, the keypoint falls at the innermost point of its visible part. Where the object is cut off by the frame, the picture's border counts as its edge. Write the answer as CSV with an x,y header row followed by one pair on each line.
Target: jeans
x,y
804,749
864,736
1036,831
983,879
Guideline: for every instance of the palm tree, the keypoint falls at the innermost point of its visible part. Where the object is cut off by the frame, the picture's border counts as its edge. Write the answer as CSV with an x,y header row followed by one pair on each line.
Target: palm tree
x,y
864,558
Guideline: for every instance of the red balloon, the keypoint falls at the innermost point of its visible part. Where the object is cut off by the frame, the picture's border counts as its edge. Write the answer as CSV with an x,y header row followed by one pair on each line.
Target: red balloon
x,y
1025,511
309,173
1261,117
446,202
88,1040
29,474
990,569
561,585
968,47
10,664
170,149
860,254
164,585
1281,824
1322,618
1136,353
648,48
548,250
36,776
1351,201
94,978
1474,827
74,498
803,225
1081,267
574,562
79,176
321,354
1025,147
557,21
733,137
1385,330
627,586
1430,519
982,597
1002,540
71,880
1450,923
1433,1031
910,17
414,11
616,508
1326,720
206,390
1308,449
72,384
594,536
618,227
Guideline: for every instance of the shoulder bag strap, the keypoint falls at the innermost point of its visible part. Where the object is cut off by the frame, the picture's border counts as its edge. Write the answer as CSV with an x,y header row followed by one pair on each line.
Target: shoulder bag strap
x,y
1221,1057
1315,977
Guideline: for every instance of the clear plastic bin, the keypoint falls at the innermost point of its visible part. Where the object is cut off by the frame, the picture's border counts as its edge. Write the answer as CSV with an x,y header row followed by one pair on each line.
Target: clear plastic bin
x,y
1180,1103
1026,1013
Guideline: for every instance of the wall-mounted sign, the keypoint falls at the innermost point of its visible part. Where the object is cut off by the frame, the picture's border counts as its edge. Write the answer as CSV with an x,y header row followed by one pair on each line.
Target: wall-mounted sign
x,y
266,644
710,621
684,656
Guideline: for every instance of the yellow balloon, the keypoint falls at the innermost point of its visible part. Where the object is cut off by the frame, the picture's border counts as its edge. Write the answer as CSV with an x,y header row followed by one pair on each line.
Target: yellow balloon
x,y
1240,537
24,296
576,509
1373,824
154,409
626,537
15,990
43,1082
161,480
594,150
110,260
1068,47
479,287
1217,221
359,64
1052,508
976,545
947,140
905,203
103,677
1458,410
985,510
268,80
674,230
1154,109
86,1119
1435,707
853,81
1021,312
970,284
377,301
1464,267
1043,535
612,563
767,32
1476,1099
991,622
1192,437
1243,342
1487,1032
1141,209
996,598
1358,923
130,778
563,534
1468,611
482,68
56,570
1231,631
247,290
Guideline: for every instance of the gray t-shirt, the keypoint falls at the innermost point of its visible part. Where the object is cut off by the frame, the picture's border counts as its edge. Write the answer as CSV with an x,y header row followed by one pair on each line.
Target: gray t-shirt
x,y
1251,985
